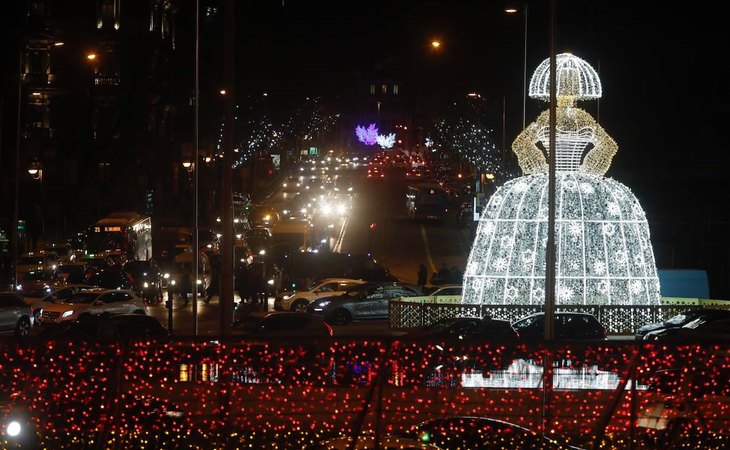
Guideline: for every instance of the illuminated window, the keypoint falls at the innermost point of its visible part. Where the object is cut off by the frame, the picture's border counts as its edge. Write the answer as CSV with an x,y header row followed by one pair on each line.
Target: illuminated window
x,y
383,88
395,89
372,89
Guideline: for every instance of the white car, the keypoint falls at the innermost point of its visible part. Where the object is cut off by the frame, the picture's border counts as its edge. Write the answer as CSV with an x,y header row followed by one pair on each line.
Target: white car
x,y
93,302
299,300
447,290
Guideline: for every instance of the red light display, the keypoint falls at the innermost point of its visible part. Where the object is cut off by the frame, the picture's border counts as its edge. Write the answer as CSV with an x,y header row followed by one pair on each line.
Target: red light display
x,y
293,394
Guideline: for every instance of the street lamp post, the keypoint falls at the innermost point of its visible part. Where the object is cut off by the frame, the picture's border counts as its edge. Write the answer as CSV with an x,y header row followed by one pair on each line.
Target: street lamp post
x,y
524,62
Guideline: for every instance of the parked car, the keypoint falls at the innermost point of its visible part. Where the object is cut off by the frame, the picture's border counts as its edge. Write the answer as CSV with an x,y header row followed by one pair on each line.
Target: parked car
x,y
145,278
370,303
568,325
299,300
70,272
93,301
34,283
477,433
122,327
263,217
466,328
37,300
109,277
680,320
258,239
15,315
448,289
280,323
701,329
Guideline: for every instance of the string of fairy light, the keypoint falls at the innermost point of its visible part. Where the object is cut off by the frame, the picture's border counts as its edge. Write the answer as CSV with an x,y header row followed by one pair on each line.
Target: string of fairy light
x,y
295,394
257,133
464,131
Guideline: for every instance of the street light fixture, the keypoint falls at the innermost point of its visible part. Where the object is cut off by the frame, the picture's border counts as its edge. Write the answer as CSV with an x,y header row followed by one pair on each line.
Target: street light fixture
x,y
435,44
36,172
91,56
188,165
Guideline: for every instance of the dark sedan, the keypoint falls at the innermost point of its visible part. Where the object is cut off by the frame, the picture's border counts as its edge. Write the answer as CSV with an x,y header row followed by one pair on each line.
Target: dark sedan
x,y
700,329
365,302
568,326
706,314
466,328
282,324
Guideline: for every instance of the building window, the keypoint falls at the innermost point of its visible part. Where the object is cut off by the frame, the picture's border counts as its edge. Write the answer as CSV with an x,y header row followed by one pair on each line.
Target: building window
x,y
384,89
395,89
372,89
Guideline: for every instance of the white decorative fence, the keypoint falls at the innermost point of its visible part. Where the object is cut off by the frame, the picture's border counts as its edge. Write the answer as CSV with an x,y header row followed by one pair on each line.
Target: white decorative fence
x,y
414,312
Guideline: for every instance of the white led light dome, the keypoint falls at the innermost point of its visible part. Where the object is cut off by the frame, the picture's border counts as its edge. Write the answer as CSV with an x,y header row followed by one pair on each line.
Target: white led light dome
x,y
575,78
603,251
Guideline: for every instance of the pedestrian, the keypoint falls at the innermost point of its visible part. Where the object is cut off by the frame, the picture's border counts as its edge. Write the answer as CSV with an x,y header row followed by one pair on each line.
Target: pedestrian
x,y
444,274
456,275
422,274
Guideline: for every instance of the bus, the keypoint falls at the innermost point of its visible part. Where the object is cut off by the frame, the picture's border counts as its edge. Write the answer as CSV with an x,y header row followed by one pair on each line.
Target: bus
x,y
426,201
127,232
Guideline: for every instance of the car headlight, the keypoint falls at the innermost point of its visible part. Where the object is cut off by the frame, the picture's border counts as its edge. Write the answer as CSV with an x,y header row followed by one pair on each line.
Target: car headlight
x,y
67,313
322,305
288,296
13,429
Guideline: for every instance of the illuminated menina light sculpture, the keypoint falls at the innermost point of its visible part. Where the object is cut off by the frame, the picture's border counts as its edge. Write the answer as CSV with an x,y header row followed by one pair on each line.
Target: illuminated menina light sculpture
x,y
603,251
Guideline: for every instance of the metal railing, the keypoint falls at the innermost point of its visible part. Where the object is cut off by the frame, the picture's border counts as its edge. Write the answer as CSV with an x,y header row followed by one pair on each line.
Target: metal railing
x,y
618,320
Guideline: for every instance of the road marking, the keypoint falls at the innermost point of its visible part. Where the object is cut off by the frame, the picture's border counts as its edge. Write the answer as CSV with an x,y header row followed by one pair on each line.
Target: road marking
x,y
341,237
428,250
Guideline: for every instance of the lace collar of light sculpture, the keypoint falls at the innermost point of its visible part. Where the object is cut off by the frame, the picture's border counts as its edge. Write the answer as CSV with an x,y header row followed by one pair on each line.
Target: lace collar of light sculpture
x,y
576,129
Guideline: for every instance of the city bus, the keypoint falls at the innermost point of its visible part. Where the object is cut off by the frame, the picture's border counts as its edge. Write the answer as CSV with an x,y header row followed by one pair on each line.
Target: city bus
x,y
426,201
128,232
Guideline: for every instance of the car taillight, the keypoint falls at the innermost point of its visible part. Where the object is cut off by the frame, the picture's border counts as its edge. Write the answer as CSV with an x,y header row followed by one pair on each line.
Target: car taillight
x,y
329,328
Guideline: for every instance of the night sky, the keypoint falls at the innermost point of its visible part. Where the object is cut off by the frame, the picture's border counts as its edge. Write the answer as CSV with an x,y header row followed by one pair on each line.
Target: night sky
x,y
664,101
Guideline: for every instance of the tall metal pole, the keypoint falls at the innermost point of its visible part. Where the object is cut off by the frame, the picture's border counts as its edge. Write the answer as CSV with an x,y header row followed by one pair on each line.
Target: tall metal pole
x,y
16,204
524,70
226,299
550,251
550,255
196,168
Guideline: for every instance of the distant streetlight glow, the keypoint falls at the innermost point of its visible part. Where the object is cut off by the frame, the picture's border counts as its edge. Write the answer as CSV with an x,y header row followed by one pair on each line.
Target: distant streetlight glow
x,y
435,43
223,92
58,43
510,10
91,56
